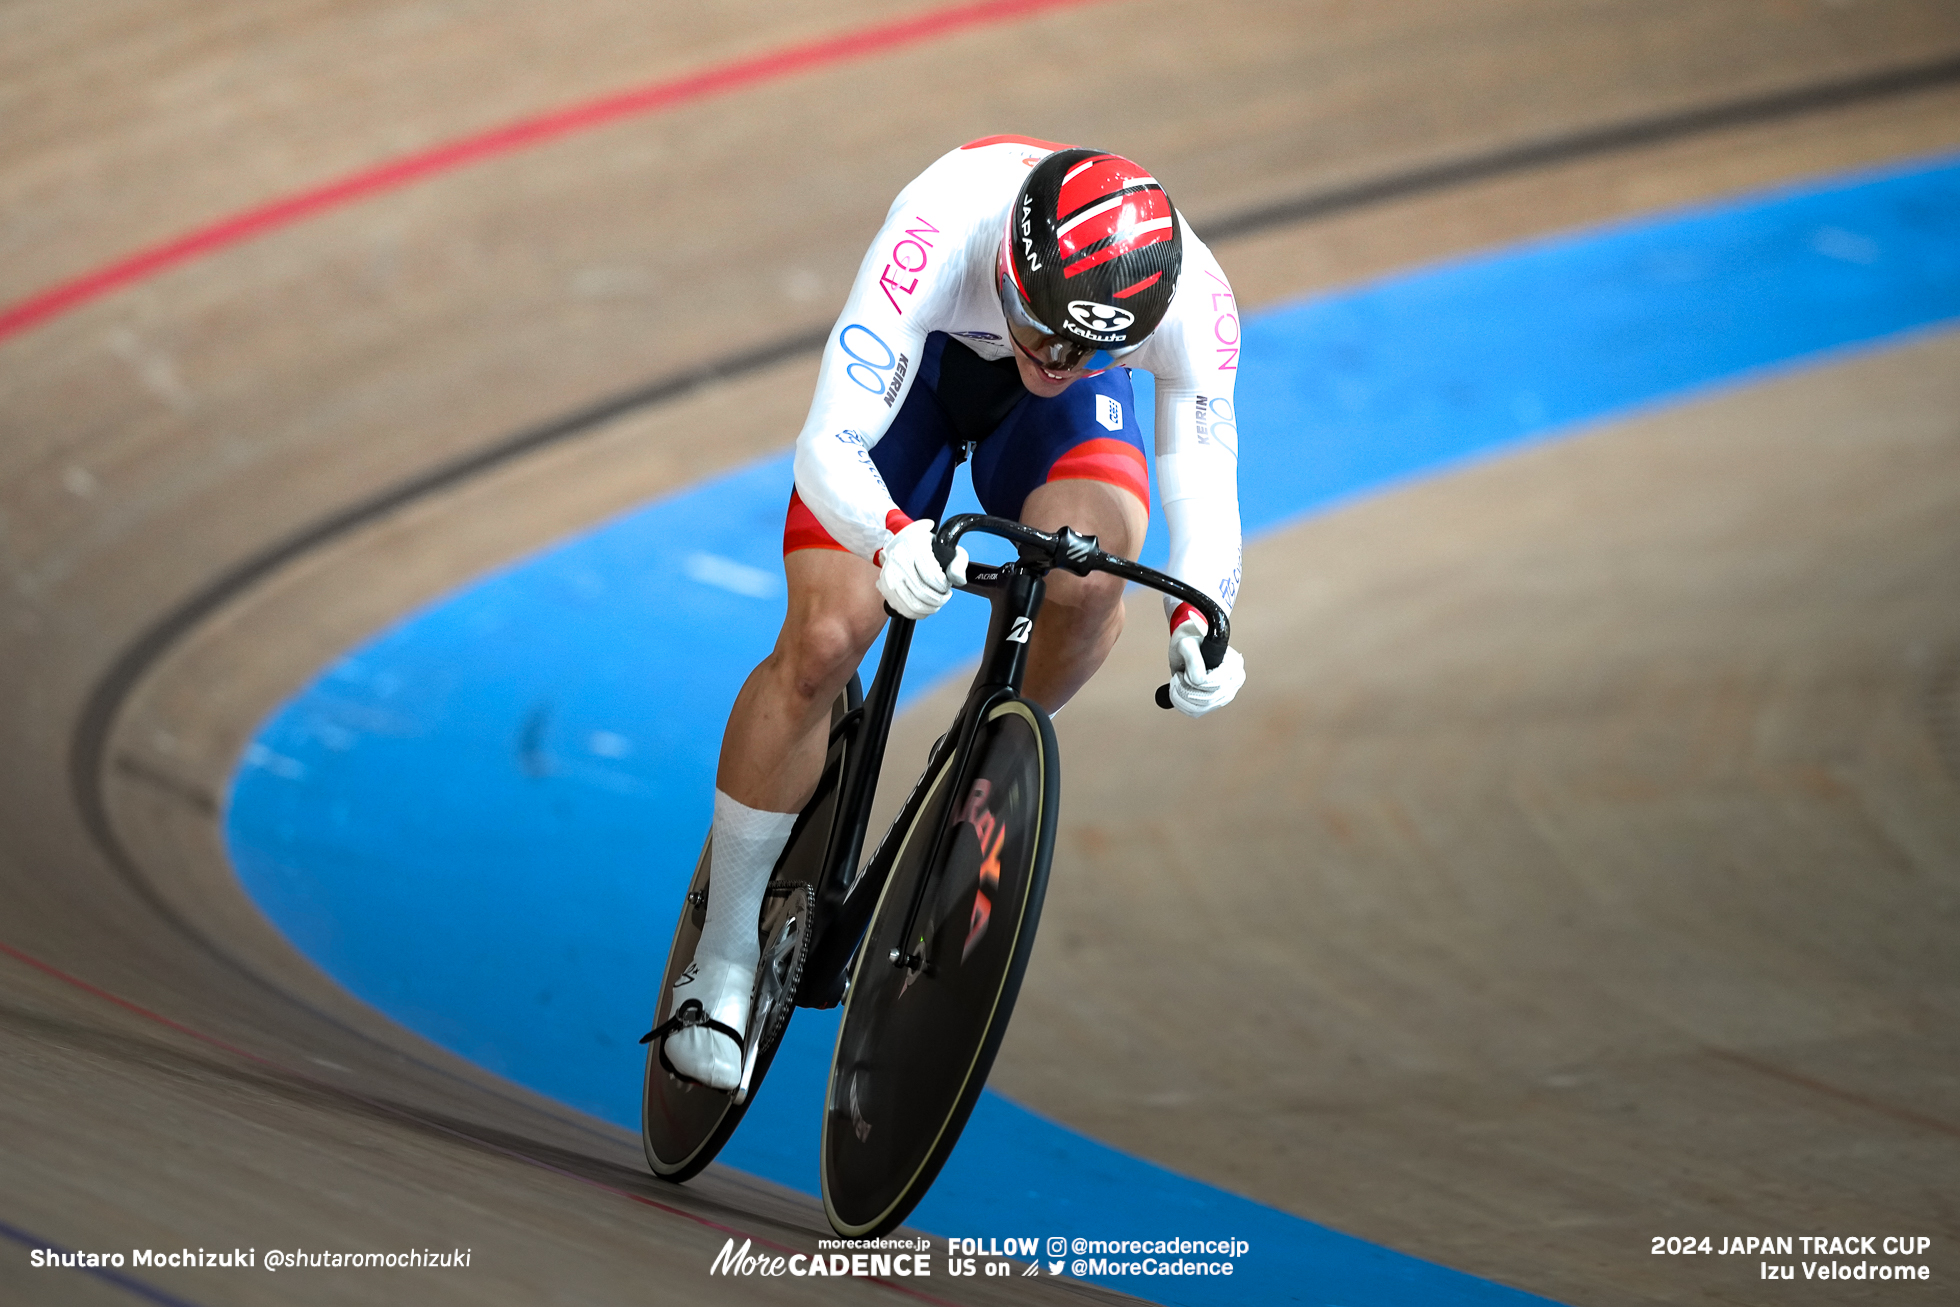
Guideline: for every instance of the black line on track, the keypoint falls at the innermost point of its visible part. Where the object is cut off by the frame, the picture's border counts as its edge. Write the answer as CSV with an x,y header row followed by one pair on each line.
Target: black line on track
x,y
89,741
1586,143
1943,715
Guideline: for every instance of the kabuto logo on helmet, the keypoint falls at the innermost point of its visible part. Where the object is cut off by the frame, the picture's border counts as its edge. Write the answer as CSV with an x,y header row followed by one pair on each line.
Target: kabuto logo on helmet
x,y
1100,317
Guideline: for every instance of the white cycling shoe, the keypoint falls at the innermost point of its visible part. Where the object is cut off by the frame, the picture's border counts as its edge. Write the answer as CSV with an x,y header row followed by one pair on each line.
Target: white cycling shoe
x,y
711,1051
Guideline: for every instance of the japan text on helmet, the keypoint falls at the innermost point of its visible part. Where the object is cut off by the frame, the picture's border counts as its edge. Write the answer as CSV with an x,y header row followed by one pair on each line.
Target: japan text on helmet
x,y
1089,260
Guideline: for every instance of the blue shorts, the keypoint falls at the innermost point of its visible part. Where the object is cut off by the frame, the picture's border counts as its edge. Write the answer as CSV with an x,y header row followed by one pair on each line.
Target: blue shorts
x,y
1088,432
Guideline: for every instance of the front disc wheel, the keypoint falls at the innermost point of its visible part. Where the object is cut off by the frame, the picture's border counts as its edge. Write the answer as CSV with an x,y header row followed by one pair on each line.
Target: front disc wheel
x,y
939,971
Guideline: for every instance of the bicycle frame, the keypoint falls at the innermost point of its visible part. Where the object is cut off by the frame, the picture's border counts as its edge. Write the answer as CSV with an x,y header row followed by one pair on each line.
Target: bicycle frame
x,y
846,894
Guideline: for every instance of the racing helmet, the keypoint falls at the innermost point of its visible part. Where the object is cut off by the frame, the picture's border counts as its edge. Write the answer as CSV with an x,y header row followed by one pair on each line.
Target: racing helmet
x,y
1089,260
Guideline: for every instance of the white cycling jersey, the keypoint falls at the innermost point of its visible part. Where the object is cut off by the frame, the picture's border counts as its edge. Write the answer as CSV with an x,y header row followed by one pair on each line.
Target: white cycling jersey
x,y
933,268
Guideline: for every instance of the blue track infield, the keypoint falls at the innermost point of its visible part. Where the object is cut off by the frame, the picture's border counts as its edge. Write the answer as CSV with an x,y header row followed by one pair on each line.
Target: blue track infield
x,y
481,821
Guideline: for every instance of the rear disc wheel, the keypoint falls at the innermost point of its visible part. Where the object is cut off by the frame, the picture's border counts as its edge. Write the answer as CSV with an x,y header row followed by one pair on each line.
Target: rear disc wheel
x,y
684,1124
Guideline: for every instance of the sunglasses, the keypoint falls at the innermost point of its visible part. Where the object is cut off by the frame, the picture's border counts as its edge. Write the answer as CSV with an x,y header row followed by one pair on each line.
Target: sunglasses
x,y
1049,348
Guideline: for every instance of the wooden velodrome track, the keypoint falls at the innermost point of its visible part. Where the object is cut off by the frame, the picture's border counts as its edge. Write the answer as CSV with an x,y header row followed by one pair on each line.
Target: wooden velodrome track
x,y
1581,865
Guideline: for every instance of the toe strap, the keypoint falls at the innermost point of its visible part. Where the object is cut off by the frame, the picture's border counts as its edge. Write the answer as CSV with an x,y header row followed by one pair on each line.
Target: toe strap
x,y
688,1016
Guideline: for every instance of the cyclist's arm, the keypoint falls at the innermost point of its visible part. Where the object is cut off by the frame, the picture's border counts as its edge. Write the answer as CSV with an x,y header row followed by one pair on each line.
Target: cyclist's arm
x,y
869,365
1195,357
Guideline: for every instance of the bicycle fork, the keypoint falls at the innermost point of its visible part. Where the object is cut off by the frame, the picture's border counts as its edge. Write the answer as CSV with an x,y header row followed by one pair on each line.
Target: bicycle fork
x,y
1016,592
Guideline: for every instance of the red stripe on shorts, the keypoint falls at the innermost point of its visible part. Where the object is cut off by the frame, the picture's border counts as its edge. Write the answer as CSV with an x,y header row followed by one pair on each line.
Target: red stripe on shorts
x,y
801,530
1117,462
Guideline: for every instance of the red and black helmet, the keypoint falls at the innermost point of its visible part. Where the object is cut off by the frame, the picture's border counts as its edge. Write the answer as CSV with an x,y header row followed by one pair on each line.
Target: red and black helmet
x,y
1090,259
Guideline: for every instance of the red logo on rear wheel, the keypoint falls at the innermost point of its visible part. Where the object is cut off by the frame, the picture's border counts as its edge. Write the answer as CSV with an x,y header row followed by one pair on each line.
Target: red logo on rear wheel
x,y
992,833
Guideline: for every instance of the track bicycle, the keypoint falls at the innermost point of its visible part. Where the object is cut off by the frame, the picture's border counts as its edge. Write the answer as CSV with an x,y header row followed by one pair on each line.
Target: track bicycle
x,y
924,942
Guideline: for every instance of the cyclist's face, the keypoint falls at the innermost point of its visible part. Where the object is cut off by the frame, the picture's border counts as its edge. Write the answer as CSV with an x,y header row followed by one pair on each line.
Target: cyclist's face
x,y
1049,362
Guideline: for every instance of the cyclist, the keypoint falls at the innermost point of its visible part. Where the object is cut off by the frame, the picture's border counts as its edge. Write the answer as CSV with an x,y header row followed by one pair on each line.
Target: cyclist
x,y
997,314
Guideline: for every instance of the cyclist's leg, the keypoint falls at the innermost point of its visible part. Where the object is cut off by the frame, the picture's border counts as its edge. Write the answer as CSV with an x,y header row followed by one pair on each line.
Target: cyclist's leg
x,y
773,749
1081,616
1075,460
772,754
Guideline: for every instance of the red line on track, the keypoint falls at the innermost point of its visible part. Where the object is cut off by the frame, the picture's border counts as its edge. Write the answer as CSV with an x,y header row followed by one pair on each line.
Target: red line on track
x,y
522,134
390,1109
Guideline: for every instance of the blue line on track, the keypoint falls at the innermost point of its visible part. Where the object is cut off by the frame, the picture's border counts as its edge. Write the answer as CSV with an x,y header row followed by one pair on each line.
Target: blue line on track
x,y
127,1283
481,820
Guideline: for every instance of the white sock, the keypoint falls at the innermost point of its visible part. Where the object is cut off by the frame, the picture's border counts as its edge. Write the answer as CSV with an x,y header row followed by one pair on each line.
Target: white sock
x,y
747,842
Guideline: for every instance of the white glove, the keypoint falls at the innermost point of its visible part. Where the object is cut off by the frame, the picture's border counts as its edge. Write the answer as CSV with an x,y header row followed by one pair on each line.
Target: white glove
x,y
1194,690
911,579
